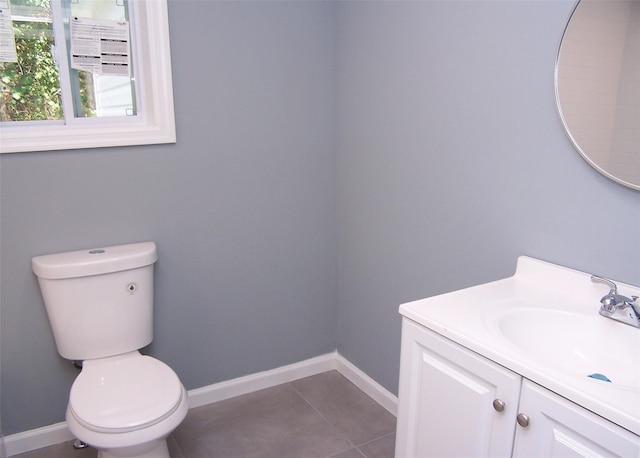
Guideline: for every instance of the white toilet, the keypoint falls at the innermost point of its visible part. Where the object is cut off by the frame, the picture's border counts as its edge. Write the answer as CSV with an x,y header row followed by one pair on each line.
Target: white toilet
x,y
100,306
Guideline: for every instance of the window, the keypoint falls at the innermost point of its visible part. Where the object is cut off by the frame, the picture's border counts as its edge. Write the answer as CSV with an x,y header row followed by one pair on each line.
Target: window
x,y
84,73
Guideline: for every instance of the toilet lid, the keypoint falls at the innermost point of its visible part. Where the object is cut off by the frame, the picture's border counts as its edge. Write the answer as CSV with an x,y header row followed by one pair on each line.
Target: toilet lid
x,y
124,392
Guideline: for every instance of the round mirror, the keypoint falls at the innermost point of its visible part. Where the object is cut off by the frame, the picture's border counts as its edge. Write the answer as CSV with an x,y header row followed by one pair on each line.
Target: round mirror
x,y
597,82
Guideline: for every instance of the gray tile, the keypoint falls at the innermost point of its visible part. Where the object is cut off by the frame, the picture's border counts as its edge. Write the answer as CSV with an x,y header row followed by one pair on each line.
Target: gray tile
x,y
380,448
275,422
345,406
351,453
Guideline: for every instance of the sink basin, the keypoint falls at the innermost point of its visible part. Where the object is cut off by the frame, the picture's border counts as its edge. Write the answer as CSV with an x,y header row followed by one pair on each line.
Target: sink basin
x,y
583,345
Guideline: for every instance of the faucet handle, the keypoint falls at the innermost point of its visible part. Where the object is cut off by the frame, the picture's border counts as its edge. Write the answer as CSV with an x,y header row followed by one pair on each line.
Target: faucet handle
x,y
610,302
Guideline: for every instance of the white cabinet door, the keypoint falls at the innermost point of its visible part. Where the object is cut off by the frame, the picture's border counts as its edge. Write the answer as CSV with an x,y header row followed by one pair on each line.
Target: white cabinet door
x,y
446,400
560,428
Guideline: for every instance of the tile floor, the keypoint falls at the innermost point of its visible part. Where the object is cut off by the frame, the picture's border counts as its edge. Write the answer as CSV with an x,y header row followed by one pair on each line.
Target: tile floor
x,y
320,416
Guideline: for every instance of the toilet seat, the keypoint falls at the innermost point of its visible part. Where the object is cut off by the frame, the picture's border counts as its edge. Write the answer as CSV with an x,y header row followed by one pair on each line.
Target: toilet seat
x,y
124,393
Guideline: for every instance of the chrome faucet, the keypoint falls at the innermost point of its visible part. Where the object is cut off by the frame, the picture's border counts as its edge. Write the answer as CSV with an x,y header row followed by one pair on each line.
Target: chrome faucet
x,y
618,307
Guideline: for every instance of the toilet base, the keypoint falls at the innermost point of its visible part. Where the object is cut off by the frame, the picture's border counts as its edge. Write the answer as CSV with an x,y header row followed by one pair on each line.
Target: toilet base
x,y
155,449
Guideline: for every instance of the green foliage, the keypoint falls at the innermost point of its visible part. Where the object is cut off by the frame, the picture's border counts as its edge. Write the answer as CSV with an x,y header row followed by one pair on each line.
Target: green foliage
x,y
30,88
87,99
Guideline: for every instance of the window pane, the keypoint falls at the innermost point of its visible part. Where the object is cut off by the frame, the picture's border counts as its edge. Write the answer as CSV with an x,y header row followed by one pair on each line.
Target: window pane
x,y
31,87
96,94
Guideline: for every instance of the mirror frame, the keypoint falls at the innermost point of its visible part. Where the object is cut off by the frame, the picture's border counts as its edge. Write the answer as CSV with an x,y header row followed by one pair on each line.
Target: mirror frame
x,y
575,143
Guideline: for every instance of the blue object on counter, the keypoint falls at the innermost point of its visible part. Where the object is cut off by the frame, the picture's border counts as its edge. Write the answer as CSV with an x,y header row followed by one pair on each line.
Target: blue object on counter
x,y
604,378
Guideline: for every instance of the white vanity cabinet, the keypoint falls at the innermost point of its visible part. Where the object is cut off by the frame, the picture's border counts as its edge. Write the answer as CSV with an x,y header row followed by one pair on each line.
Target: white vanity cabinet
x,y
446,400
561,428
455,403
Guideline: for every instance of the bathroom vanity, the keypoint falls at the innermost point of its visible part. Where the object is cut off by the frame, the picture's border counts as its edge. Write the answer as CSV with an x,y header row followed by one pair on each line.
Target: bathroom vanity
x,y
523,366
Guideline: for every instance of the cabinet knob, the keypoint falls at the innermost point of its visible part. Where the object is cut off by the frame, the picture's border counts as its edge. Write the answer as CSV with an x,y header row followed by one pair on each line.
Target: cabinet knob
x,y
523,420
498,404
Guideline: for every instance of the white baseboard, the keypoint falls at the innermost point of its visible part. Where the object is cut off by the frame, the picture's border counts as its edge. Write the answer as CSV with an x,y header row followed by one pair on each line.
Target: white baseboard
x,y
56,433
261,380
375,391
37,438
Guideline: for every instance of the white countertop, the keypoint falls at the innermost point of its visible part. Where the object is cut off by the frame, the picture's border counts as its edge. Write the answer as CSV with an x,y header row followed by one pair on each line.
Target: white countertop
x,y
470,316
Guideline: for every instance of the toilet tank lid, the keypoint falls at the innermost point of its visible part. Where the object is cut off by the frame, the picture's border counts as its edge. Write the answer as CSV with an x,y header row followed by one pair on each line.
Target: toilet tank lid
x,y
94,261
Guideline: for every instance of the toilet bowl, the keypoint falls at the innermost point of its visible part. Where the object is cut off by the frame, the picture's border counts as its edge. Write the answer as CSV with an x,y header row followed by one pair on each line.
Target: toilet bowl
x,y
100,307
126,406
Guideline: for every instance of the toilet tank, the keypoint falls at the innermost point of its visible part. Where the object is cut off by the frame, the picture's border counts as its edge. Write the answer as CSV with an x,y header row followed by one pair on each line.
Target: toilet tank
x,y
99,301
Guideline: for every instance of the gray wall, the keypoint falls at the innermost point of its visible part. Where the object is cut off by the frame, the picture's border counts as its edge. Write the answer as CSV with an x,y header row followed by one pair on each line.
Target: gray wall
x,y
295,214
452,162
242,209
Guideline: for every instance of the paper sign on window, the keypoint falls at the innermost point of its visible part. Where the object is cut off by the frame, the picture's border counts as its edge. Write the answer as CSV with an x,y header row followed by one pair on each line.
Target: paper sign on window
x,y
100,46
7,39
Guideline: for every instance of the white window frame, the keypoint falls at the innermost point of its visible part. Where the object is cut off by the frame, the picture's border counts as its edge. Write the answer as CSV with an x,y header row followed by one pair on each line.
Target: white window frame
x,y
154,121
